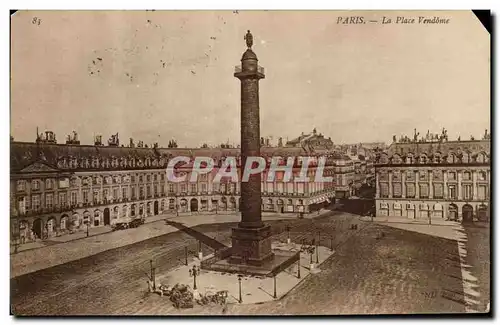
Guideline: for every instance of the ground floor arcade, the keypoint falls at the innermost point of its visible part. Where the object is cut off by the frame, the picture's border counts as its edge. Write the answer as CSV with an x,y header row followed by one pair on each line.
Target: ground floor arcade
x,y
449,210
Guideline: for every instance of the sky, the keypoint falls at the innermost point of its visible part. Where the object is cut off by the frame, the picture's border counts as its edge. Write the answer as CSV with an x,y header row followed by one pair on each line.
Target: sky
x,y
158,75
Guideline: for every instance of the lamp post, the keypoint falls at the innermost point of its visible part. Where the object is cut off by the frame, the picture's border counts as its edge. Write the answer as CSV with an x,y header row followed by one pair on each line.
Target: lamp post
x,y
317,251
298,267
239,283
194,272
288,240
186,255
87,224
331,243
275,293
200,252
153,274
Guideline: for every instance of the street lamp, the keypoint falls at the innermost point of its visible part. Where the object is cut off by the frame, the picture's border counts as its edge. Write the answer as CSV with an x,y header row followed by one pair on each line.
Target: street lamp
x,y
153,274
87,224
298,267
288,240
200,252
239,282
275,293
194,272
317,250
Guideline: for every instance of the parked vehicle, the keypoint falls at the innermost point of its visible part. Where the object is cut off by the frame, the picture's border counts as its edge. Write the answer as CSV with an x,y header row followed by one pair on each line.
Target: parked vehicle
x,y
126,222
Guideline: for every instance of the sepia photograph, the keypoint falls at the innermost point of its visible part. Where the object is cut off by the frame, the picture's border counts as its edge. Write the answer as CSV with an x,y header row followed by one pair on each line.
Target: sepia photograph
x,y
250,162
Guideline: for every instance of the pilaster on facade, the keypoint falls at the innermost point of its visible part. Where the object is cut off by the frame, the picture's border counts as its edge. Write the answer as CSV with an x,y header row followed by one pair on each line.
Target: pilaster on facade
x,y
430,174
459,185
403,184
417,184
390,184
445,184
474,185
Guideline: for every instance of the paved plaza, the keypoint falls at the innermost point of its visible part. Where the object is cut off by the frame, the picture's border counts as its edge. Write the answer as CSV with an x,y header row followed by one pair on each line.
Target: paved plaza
x,y
377,268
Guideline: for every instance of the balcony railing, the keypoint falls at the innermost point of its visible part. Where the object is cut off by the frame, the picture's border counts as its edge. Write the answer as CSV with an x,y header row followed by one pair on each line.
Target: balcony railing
x,y
238,69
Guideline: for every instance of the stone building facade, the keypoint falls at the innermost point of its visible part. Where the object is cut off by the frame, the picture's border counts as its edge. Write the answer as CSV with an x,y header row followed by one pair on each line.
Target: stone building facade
x,y
441,180
61,188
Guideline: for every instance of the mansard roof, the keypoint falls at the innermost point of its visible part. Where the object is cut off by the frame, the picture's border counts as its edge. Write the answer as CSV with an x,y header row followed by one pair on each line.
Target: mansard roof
x,y
473,151
24,154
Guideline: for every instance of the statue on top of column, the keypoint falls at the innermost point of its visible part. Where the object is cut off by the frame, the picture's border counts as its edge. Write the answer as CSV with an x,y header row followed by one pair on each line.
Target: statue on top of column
x,y
249,39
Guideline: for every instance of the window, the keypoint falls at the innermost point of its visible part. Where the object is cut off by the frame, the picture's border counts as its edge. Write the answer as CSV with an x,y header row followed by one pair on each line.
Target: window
x,y
106,194
171,188
96,197
422,175
424,190
35,202
193,188
384,190
300,188
162,190
204,188
438,191
21,205
155,177
21,185
215,187
74,198
132,178
270,187
35,185
49,200
124,192
467,176
148,191
85,194
279,186
481,192
452,192
452,176
467,192
155,190
183,188
148,178
396,190
48,184
62,199
482,176
289,187
141,192
116,193
223,188
410,190
140,179
133,193
162,177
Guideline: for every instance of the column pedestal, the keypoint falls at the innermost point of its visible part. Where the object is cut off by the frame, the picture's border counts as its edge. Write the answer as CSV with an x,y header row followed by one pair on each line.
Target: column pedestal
x,y
251,246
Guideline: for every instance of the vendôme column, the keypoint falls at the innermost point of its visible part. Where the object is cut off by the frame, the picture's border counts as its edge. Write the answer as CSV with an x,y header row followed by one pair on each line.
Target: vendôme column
x,y
251,239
